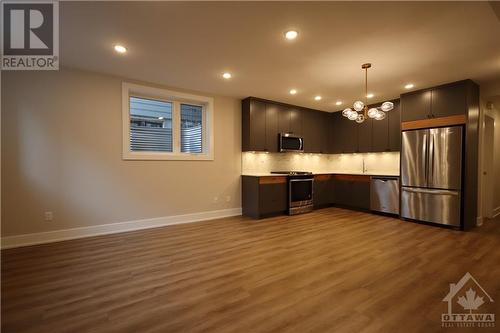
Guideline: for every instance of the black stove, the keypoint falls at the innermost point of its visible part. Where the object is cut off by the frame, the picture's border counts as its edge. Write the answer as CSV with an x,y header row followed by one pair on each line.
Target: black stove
x,y
300,191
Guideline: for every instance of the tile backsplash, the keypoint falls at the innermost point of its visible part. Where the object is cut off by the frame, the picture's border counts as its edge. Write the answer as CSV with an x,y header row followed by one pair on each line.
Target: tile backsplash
x,y
382,163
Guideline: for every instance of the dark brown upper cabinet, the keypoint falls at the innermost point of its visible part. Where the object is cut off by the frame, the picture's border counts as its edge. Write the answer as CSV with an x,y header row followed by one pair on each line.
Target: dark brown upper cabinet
x,y
289,119
395,127
416,105
386,132
365,135
449,100
381,134
295,121
349,136
334,138
272,128
253,125
323,132
441,101
315,130
343,135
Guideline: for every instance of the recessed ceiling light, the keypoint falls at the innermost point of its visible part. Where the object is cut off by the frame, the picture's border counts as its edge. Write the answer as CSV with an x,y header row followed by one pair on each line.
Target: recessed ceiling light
x,y
409,86
293,91
291,34
317,98
369,95
227,75
338,103
120,48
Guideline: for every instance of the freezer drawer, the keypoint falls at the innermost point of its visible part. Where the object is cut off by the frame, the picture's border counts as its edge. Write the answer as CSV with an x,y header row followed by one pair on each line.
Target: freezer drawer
x,y
437,206
384,195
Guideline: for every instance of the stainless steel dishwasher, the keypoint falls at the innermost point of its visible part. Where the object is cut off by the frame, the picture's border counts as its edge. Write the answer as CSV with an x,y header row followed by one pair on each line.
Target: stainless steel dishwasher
x,y
384,194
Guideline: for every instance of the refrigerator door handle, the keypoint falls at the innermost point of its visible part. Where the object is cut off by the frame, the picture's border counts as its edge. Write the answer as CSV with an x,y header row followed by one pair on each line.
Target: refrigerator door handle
x,y
430,164
426,158
436,192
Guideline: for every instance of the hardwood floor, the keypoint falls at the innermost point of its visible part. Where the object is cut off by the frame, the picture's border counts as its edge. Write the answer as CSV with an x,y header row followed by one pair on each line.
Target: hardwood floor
x,y
333,270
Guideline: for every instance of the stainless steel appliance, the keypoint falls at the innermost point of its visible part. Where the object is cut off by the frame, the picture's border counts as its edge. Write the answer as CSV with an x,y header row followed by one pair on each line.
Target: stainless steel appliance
x,y
384,194
431,175
300,191
290,142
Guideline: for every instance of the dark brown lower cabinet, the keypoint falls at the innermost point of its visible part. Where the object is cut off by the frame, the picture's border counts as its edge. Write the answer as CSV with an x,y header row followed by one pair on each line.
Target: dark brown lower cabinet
x,y
322,191
352,191
264,196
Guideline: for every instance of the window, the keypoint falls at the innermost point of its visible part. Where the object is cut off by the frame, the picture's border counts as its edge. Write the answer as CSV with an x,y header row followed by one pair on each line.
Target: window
x,y
165,125
191,124
150,125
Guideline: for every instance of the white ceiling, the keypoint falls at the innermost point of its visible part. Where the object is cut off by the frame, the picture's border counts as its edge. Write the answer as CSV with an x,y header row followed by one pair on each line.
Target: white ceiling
x,y
188,45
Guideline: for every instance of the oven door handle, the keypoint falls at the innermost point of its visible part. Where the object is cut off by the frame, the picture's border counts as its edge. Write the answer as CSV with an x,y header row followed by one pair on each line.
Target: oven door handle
x,y
302,180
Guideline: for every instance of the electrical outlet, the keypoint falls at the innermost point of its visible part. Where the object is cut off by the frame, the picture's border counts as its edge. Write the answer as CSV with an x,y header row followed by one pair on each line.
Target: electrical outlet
x,y
49,216
228,198
216,199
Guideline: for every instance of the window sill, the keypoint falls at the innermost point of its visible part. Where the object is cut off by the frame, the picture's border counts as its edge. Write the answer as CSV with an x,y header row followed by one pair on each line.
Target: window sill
x,y
151,156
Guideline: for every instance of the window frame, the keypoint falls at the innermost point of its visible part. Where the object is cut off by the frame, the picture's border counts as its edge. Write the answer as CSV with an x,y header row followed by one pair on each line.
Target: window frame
x,y
176,98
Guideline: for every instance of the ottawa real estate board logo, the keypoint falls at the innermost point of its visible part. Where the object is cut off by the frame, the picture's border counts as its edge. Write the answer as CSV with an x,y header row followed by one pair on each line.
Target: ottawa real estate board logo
x,y
30,35
469,305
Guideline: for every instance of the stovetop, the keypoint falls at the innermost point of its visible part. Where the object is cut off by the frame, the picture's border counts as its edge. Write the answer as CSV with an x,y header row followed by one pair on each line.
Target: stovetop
x,y
292,173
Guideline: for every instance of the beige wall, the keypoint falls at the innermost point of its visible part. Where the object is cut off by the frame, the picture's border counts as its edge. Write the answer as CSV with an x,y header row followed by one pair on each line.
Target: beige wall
x,y
61,152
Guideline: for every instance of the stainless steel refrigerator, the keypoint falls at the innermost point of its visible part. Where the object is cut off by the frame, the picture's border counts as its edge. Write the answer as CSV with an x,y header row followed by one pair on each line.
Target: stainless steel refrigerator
x,y
431,175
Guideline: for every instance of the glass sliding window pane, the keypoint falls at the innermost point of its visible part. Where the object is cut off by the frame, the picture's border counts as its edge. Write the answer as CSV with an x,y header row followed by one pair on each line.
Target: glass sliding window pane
x,y
150,125
191,128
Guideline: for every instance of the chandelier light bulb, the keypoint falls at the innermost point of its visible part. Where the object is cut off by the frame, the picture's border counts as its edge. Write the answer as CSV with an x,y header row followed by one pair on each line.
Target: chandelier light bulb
x,y
346,112
360,118
372,113
353,115
387,106
380,115
358,105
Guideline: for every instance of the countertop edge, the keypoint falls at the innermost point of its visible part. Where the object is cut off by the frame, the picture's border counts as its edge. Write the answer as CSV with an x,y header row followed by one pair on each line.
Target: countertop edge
x,y
324,173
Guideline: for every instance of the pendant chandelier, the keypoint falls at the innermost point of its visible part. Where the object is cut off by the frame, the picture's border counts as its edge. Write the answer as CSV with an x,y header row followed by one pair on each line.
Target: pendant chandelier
x,y
360,112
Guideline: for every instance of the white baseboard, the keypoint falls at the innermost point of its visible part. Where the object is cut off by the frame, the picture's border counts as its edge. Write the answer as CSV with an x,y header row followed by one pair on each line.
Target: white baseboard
x,y
104,229
496,212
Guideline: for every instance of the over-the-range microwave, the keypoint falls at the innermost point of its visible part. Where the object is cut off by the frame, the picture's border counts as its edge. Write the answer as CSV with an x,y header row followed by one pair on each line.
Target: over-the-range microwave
x,y
290,142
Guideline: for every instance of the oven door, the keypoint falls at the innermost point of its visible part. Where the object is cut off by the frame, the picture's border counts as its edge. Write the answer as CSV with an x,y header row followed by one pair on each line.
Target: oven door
x,y
300,192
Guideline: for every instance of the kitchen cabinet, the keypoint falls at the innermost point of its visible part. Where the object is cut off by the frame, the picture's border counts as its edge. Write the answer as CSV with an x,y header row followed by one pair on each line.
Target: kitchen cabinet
x,y
334,134
272,129
381,134
441,101
352,191
345,136
264,196
449,100
314,130
395,127
289,119
366,135
323,132
416,105
322,191
253,125
349,138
